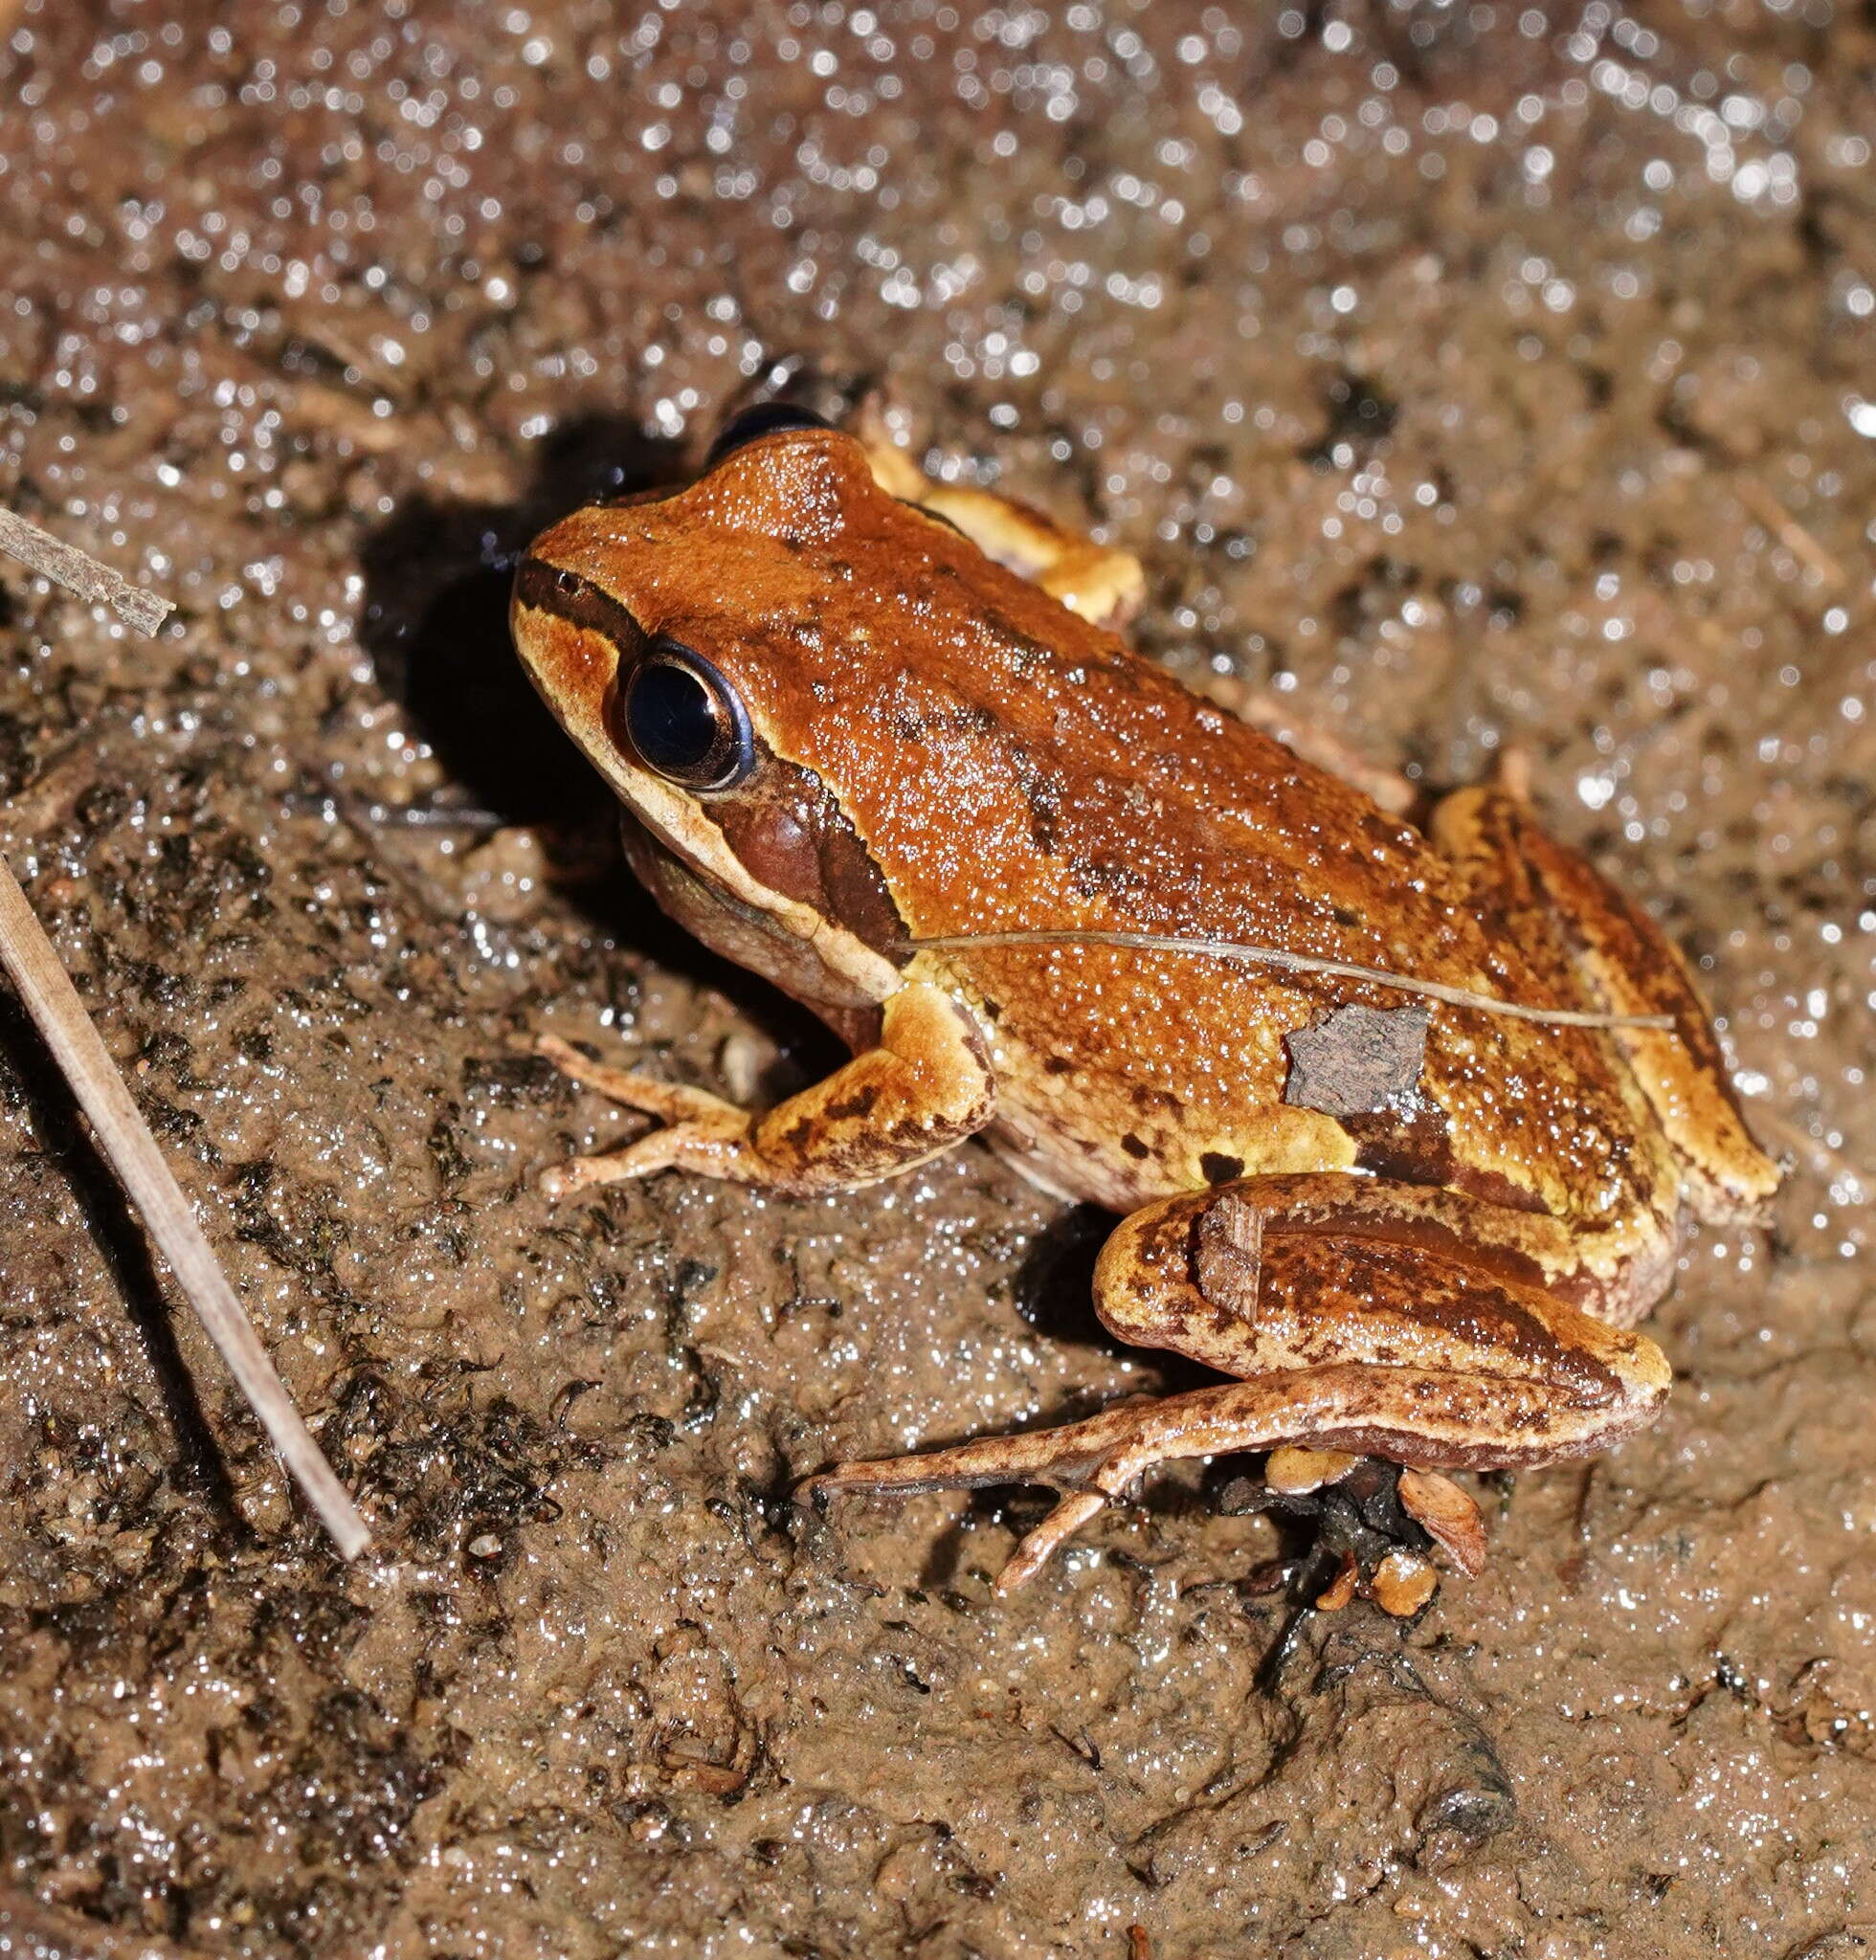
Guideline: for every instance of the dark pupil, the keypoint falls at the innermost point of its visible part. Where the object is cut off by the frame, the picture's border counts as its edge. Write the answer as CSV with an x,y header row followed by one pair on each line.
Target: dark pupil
x,y
672,720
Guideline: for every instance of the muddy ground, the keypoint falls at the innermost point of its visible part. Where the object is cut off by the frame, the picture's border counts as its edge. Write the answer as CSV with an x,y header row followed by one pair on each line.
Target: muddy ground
x,y
1471,375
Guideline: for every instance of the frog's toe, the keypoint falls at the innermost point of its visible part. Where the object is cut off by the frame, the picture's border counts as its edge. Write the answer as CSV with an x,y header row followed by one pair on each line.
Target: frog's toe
x,y
574,1174
1066,1458
1042,1543
901,1476
714,1145
1090,1462
674,1102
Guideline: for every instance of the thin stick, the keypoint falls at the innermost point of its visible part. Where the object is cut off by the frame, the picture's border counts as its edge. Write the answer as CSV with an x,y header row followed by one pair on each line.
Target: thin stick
x,y
1790,533
78,571
46,989
1294,962
59,1015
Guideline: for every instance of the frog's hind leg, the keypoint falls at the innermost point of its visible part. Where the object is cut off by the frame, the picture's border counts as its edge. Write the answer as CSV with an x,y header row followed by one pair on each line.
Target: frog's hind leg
x,y
1101,581
1554,900
1384,1318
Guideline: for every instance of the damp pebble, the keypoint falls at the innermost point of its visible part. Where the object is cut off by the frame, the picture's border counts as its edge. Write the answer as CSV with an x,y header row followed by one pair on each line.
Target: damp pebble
x,y
1402,1583
487,1546
1340,1589
1447,1514
1294,1471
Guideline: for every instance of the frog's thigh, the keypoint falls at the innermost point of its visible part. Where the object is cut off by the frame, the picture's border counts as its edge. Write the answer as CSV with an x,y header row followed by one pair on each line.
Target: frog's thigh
x,y
1327,1271
1513,867
925,1085
1102,583
1384,1318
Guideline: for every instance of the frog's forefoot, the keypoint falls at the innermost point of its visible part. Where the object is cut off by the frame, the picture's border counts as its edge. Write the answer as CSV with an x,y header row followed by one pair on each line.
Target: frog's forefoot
x,y
700,1131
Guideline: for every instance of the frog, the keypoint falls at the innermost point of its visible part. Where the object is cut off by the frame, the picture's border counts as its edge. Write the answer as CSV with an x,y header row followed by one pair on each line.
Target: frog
x,y
881,740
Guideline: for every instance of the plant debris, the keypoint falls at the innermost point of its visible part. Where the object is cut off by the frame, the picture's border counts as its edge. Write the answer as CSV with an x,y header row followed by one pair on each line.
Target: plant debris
x,y
46,990
1359,1060
78,571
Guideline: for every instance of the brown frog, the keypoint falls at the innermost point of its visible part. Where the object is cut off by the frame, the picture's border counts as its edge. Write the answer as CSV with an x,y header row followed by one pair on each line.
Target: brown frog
x,y
849,713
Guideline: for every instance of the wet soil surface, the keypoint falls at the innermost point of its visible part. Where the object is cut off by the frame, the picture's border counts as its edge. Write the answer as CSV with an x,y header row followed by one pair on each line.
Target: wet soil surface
x,y
1471,377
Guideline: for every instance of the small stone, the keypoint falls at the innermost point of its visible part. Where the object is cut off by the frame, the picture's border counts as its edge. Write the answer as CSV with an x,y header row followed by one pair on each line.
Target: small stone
x,y
1402,1583
487,1546
1360,1061
1293,1470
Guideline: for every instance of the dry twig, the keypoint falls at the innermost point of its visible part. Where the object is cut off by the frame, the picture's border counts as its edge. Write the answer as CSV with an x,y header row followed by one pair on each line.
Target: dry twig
x,y
1286,961
59,1013
1789,532
78,571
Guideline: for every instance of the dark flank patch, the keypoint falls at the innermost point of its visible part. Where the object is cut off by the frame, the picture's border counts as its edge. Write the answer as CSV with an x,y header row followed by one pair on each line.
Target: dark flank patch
x,y
1134,1146
1042,792
1093,876
1024,651
854,1108
1221,1169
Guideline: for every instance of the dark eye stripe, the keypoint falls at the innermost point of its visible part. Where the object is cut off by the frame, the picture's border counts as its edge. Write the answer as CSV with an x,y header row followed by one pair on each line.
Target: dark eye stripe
x,y
566,596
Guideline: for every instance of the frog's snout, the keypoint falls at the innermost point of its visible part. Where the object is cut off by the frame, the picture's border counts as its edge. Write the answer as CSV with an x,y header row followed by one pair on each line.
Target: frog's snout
x,y
571,637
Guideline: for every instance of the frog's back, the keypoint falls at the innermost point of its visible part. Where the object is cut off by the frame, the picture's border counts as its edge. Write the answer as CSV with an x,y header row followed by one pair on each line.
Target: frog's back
x,y
1102,794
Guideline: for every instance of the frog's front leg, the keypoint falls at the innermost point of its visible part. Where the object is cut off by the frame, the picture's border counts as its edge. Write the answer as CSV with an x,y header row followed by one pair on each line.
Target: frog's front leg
x,y
925,1085
1385,1319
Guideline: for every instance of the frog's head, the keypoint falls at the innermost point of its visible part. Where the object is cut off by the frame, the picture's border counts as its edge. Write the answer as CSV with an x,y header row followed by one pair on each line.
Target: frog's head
x,y
833,718
697,647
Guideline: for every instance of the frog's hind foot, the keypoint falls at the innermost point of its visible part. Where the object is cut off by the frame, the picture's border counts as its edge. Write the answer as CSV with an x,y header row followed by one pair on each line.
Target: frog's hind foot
x,y
1083,1460
1094,1462
1358,1317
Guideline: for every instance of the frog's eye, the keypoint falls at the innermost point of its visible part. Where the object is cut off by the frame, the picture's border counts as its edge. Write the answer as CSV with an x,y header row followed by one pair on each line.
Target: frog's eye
x,y
765,418
685,720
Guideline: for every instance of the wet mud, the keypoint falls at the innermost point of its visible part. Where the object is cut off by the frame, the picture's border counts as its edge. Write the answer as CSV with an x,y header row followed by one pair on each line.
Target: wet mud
x,y
1468,378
